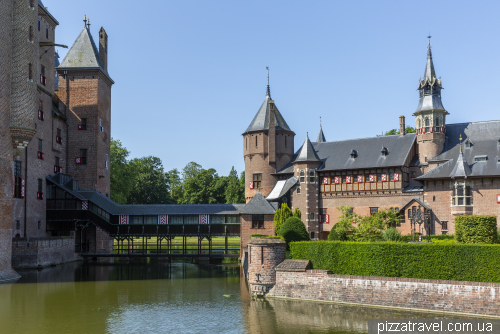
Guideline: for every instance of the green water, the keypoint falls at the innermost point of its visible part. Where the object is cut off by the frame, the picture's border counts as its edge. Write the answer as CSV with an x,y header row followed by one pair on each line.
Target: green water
x,y
156,296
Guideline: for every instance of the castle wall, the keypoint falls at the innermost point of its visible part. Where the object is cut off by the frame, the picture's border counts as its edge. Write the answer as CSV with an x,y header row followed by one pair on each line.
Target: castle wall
x,y
33,252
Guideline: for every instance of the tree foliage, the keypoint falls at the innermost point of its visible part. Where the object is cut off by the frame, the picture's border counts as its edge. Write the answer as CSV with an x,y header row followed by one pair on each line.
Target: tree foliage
x,y
408,129
144,181
280,216
354,227
297,213
293,229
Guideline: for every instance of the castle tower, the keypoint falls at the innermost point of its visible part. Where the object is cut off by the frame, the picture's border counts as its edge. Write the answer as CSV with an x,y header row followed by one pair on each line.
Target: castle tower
x,y
430,115
85,94
304,167
267,147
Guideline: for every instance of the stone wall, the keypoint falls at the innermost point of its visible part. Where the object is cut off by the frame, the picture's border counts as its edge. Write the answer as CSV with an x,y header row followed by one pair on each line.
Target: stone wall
x,y
31,253
443,296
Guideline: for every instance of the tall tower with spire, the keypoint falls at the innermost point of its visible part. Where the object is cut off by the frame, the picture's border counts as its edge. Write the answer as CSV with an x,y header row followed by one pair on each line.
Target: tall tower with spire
x,y
430,115
267,148
85,95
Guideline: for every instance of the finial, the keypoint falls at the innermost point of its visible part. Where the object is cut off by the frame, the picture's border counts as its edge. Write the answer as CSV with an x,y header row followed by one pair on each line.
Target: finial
x,y
88,23
267,68
461,149
319,121
85,20
429,47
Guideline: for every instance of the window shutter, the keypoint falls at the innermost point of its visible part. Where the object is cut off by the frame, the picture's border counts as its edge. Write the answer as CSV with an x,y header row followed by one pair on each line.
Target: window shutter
x,y
325,180
22,188
56,168
396,176
384,177
78,160
360,178
336,180
348,179
372,177
327,219
251,184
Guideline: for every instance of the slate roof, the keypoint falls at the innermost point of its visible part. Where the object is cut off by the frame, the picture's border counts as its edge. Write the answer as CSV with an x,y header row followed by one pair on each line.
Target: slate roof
x,y
483,135
258,205
336,155
307,152
461,168
321,135
429,101
83,54
261,119
418,200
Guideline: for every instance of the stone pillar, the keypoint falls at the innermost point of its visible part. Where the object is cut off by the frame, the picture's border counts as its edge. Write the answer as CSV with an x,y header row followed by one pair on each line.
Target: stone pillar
x,y
264,254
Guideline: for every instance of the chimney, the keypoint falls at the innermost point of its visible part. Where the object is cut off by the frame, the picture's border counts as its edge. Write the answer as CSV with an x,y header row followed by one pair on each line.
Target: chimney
x,y
402,127
103,48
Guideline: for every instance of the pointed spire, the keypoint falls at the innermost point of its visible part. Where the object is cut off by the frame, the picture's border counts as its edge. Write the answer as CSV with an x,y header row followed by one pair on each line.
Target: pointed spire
x,y
461,168
307,152
429,73
321,135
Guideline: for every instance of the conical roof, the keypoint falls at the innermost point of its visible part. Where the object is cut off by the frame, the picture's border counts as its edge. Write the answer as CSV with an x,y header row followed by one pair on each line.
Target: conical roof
x,y
307,152
321,135
261,119
83,53
461,168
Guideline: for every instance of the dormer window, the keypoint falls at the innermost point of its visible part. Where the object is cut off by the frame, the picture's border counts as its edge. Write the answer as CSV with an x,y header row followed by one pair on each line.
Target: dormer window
x,y
354,154
479,158
468,143
384,151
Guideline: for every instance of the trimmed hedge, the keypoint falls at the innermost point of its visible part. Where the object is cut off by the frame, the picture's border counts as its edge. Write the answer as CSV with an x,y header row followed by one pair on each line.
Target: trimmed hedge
x,y
457,262
476,229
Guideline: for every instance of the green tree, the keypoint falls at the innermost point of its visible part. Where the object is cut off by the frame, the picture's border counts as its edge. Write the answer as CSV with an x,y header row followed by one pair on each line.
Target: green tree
x,y
297,213
242,187
293,229
280,216
176,191
408,129
370,227
344,229
151,184
233,191
121,176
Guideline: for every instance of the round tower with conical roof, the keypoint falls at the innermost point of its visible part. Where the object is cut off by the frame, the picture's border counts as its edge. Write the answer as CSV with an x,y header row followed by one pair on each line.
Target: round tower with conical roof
x,y
267,148
430,115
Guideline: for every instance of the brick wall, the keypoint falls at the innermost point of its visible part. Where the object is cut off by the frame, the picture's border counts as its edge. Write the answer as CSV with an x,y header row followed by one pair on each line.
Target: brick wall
x,y
264,254
33,252
435,295
246,229
6,181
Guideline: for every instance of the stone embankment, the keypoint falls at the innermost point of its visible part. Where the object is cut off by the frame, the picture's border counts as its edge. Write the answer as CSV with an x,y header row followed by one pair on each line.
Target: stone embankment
x,y
271,276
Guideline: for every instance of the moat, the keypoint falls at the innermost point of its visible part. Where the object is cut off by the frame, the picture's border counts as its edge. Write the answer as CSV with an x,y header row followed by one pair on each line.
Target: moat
x,y
158,296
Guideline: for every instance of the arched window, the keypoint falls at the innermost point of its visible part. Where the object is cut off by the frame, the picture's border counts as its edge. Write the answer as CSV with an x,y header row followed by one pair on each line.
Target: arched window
x,y
437,122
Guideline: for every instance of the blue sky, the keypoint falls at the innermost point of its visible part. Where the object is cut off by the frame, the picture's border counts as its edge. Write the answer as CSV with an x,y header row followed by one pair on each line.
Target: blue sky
x,y
190,75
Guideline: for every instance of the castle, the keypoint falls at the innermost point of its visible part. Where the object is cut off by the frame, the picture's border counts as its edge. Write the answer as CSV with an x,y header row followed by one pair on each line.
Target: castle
x,y
49,122
443,169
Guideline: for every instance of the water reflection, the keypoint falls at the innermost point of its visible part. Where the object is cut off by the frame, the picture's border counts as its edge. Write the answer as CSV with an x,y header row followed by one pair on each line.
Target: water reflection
x,y
158,296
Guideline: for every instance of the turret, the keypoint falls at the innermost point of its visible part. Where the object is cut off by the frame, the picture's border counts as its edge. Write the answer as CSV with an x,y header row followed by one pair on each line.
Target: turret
x,y
430,115
267,146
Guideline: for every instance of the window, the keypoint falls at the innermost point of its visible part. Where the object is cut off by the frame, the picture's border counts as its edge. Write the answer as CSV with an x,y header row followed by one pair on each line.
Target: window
x,y
437,121
18,181
83,156
30,72
46,32
58,137
413,174
40,149
433,198
100,124
57,161
257,221
351,210
256,141
39,224
312,235
427,125
257,179
418,124
479,158
285,141
30,33
106,162
302,176
323,217
18,225
39,25
83,126
462,194
311,216
43,78
311,176
246,143
468,143
298,190
373,211
41,114
444,225
39,194
32,3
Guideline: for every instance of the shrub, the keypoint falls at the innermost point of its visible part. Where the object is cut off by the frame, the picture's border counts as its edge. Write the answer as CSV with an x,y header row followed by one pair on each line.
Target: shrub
x,y
297,213
476,229
444,261
294,230
337,234
391,234
280,216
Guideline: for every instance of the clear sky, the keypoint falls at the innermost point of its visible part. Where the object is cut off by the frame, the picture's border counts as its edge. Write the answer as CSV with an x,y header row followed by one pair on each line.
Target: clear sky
x,y
190,75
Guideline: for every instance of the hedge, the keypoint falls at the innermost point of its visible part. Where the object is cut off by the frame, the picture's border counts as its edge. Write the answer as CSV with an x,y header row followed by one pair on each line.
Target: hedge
x,y
456,262
476,229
